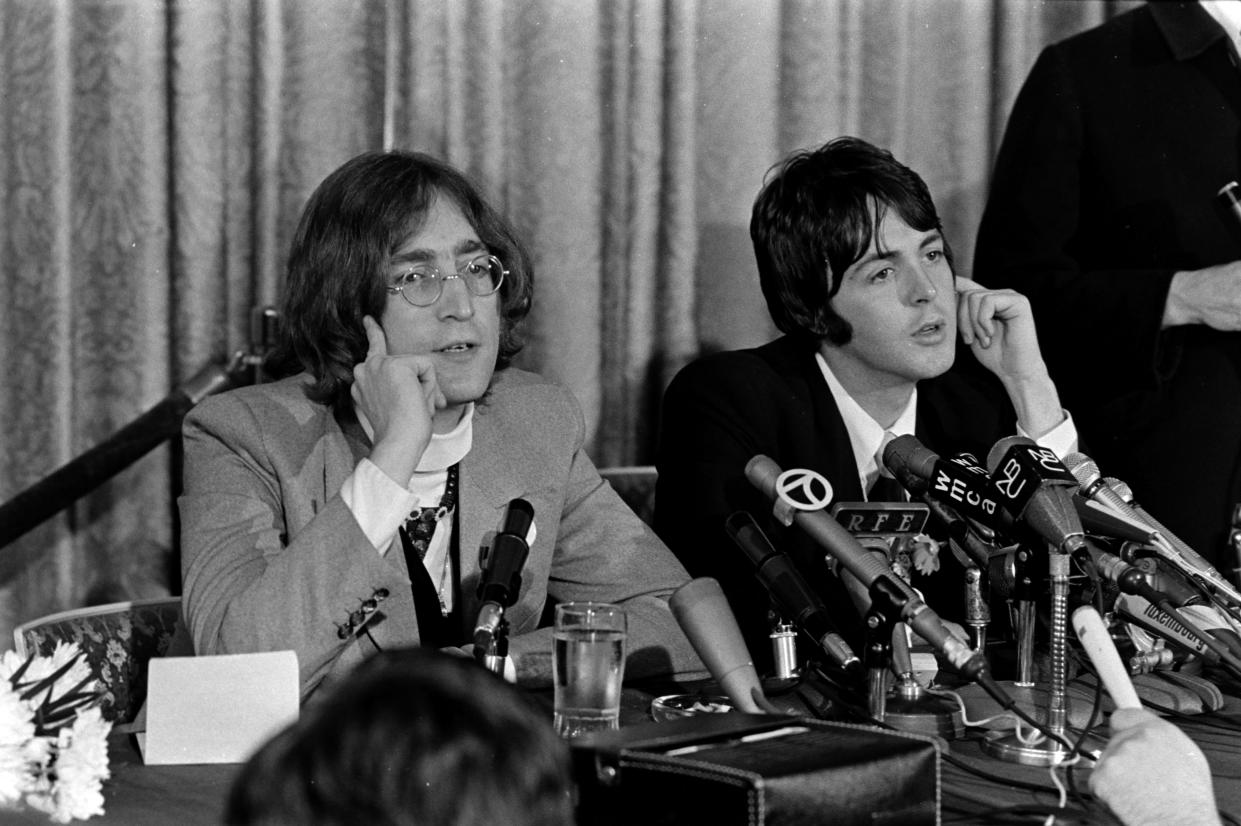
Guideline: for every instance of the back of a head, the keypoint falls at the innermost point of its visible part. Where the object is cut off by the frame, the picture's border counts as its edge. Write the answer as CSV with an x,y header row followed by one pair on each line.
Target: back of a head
x,y
413,737
815,216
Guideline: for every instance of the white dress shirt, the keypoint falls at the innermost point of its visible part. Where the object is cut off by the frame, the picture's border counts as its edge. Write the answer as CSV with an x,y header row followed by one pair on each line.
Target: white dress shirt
x,y
868,437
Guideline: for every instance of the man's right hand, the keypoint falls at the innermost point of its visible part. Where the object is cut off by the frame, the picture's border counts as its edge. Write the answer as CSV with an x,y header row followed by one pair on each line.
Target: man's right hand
x,y
1210,296
1151,773
398,395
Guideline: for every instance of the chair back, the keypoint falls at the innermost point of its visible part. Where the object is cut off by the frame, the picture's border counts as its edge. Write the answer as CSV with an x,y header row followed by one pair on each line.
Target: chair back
x,y
118,640
636,485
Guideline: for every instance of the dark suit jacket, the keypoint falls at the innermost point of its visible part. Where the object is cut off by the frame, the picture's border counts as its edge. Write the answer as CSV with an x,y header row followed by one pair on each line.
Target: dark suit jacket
x,y
273,558
1105,186
724,408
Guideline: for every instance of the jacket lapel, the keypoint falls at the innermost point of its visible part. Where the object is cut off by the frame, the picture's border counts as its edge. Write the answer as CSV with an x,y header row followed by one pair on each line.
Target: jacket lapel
x,y
833,451
492,475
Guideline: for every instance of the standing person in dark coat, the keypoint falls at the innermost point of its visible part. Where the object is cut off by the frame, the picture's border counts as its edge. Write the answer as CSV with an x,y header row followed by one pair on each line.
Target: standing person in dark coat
x,y
1104,212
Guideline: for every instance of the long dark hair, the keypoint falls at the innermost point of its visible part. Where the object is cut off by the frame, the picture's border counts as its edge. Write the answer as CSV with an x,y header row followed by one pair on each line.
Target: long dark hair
x,y
816,216
351,226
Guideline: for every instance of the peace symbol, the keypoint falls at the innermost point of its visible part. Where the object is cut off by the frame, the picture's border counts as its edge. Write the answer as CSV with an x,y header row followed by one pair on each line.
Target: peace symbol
x,y
813,491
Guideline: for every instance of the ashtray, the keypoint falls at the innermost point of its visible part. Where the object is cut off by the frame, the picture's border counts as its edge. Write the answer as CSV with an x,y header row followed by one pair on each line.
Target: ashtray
x,y
674,706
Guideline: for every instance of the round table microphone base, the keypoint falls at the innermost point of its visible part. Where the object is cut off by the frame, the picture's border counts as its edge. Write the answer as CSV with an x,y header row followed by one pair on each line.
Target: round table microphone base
x,y
926,714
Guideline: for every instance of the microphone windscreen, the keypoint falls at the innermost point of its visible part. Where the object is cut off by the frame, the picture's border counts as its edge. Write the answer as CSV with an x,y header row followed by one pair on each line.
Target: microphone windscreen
x,y
1001,447
1096,641
906,453
702,611
518,518
1098,520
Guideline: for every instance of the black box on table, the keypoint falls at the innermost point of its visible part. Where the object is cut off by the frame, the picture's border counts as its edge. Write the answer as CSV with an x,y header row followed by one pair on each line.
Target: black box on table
x,y
756,770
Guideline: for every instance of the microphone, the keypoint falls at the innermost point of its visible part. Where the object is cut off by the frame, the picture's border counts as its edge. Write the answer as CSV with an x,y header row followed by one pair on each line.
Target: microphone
x,y
1038,490
791,593
1096,488
1213,622
906,462
1167,545
1129,579
960,531
1100,520
764,474
703,614
956,482
1154,620
1191,556
501,575
1096,641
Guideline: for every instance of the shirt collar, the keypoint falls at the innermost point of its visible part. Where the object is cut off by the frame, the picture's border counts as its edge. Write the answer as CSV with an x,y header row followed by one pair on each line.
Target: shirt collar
x,y
867,436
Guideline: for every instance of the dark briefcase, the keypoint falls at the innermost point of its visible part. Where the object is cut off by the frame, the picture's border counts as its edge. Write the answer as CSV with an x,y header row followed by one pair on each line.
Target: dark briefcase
x,y
723,769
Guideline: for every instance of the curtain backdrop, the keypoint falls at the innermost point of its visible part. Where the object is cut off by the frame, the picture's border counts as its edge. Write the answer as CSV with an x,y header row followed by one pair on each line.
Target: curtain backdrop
x,y
156,156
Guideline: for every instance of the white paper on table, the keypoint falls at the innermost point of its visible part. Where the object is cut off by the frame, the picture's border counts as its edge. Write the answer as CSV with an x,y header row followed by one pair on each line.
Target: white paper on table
x,y
217,709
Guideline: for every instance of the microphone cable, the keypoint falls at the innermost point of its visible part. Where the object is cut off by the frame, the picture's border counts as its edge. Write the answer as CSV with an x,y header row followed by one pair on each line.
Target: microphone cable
x,y
863,715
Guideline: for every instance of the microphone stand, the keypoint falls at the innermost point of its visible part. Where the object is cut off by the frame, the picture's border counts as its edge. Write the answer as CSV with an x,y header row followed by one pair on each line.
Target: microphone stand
x,y
977,613
80,476
1048,751
491,650
881,624
905,705
1023,593
500,583
64,486
909,707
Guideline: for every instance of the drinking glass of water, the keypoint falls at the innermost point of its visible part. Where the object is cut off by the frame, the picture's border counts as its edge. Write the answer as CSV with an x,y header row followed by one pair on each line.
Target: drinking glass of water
x,y
588,666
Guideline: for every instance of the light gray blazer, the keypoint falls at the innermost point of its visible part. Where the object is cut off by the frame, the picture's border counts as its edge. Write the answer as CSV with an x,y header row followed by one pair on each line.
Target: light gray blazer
x,y
273,559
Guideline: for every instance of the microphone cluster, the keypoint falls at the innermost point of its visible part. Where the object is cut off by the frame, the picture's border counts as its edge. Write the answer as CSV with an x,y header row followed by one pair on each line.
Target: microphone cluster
x,y
1025,496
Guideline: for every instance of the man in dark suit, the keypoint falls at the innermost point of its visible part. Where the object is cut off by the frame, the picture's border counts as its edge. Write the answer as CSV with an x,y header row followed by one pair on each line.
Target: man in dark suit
x,y
858,277
1104,212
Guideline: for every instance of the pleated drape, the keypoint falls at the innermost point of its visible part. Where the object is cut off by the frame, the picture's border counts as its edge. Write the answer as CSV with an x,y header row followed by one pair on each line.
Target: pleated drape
x,y
156,157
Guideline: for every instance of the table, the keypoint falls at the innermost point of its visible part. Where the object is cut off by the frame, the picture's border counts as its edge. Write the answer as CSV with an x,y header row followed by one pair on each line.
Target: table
x,y
138,795
141,795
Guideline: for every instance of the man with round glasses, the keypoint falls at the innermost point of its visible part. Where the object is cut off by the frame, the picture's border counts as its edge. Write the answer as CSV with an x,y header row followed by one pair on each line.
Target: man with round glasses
x,y
341,510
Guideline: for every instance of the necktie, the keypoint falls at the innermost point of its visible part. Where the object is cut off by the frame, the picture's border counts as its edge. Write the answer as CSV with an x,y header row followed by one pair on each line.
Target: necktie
x,y
885,488
420,525
416,536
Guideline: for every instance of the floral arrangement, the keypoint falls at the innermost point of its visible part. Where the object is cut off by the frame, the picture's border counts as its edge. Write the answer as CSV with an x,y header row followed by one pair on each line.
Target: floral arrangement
x,y
53,738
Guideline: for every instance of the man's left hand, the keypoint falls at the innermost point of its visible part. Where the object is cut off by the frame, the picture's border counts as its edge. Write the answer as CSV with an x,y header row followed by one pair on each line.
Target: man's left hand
x,y
999,327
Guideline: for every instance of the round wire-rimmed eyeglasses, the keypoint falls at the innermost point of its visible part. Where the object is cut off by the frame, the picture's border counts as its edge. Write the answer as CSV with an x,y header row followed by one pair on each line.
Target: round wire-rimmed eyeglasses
x,y
422,284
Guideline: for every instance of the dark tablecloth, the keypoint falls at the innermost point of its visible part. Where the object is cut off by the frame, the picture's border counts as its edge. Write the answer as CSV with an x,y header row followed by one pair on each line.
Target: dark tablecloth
x,y
138,795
